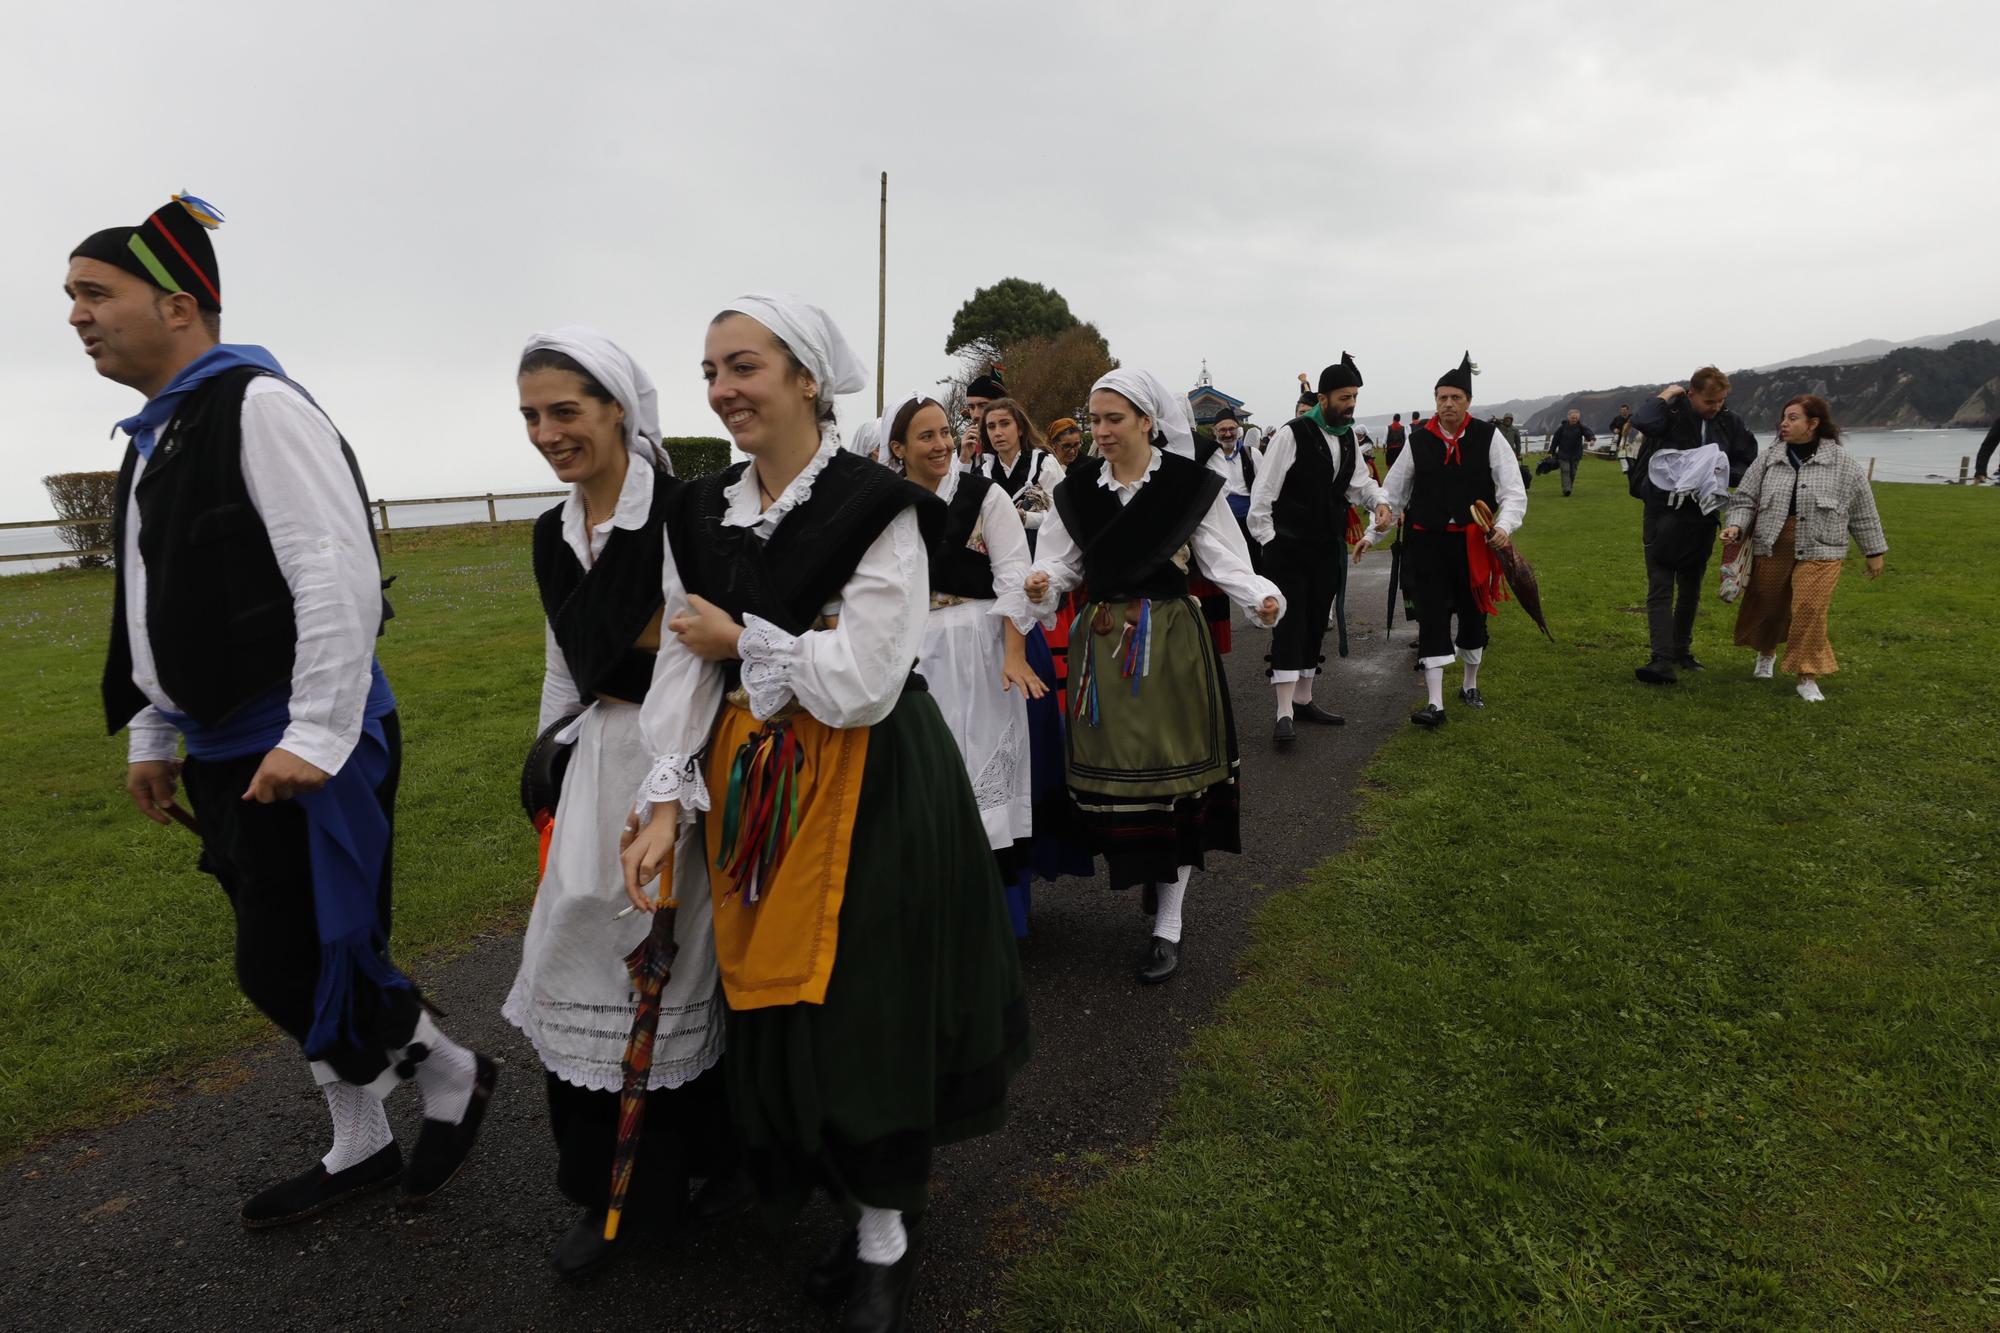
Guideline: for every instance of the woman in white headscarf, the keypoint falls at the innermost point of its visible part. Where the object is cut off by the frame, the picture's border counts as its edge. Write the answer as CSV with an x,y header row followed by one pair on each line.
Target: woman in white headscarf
x,y
592,413
874,993
1152,747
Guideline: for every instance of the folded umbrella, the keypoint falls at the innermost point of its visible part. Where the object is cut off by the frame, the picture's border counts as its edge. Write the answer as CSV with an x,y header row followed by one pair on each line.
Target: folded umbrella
x,y
650,964
1514,566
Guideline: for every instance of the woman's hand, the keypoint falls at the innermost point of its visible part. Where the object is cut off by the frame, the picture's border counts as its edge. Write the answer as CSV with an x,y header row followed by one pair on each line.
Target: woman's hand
x,y
706,630
1731,535
1017,674
645,851
1037,586
1874,566
1267,612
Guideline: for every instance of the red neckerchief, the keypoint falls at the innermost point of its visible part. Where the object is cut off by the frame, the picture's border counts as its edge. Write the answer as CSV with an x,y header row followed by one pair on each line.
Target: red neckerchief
x,y
1451,451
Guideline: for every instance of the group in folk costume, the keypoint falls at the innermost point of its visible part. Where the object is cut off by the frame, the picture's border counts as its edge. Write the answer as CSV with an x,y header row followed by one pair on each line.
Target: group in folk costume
x,y
974,652
1152,763
246,607
592,413
874,1002
1453,463
1311,475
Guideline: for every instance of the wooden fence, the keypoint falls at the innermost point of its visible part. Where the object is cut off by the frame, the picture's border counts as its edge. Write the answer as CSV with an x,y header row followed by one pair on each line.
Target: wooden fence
x,y
381,510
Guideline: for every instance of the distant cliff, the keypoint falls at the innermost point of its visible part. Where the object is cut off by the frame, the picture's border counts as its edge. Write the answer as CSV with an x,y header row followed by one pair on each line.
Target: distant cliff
x,y
1910,388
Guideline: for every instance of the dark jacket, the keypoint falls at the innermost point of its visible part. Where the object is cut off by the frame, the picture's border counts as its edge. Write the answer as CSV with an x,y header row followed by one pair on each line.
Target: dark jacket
x,y
1566,441
1675,425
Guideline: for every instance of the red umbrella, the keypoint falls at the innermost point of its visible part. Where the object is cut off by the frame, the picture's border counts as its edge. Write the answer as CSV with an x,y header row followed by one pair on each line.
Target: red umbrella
x,y
650,964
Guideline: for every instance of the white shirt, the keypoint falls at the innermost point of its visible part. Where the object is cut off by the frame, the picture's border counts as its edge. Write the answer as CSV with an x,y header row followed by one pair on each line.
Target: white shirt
x,y
1006,542
1278,455
303,490
1229,467
1217,542
1042,470
848,676
635,503
1500,461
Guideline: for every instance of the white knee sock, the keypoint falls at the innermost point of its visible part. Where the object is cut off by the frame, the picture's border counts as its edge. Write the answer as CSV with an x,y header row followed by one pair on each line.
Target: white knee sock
x,y
445,1073
1304,693
360,1130
1471,675
1285,689
1434,685
883,1239
1167,922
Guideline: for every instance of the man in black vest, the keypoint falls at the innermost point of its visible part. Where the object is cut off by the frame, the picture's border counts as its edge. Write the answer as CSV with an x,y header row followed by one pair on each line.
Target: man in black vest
x,y
244,622
1225,453
1679,539
1311,472
1453,461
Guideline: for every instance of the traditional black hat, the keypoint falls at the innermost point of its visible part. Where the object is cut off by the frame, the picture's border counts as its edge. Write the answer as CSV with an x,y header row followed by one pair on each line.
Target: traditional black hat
x,y
1344,375
1226,414
987,385
170,249
1460,378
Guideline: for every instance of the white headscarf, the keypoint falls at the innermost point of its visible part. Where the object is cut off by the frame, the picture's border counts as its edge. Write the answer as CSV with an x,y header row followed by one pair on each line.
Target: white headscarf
x,y
1169,410
811,334
867,439
613,367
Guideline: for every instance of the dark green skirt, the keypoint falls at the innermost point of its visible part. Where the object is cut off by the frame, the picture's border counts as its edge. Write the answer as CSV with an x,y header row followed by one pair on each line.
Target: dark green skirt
x,y
925,1021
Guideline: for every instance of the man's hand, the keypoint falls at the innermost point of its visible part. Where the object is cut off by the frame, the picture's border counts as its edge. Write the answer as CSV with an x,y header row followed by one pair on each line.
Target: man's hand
x,y
1037,586
1671,392
282,776
150,784
1267,612
1385,517
1496,536
706,630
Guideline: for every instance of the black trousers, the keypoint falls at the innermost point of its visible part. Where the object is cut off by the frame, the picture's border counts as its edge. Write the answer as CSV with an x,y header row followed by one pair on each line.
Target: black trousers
x,y
1308,573
686,1135
1986,448
1440,574
259,854
1676,566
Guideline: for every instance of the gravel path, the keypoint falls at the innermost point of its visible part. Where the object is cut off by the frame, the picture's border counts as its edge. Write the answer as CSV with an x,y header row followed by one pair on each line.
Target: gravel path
x,y
134,1227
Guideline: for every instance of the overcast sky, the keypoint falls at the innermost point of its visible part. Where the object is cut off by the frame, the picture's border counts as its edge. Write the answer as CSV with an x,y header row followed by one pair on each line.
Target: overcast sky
x,y
1584,194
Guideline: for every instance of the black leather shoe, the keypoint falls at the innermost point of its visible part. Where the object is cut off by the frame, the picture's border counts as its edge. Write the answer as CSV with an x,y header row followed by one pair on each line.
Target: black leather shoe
x,y
443,1147
1284,733
319,1189
1688,663
878,1301
833,1274
1659,671
1429,716
1312,712
583,1249
1162,961
730,1194
1471,698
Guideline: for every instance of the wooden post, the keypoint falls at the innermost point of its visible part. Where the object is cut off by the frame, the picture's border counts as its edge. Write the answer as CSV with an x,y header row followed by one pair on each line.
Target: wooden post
x,y
492,515
882,304
1871,469
1964,468
382,508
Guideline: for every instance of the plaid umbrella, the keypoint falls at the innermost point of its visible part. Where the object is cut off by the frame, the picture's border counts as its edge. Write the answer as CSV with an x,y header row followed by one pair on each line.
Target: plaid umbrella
x,y
649,965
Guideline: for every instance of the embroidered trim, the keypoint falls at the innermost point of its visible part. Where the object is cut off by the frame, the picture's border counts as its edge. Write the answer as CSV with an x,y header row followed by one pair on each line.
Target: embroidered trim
x,y
767,653
676,777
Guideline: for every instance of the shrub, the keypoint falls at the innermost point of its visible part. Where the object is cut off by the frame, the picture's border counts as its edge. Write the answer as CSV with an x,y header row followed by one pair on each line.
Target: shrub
x,y
83,504
696,455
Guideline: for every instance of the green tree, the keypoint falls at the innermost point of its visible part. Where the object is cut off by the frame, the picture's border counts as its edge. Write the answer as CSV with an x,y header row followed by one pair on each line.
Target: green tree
x,y
1010,311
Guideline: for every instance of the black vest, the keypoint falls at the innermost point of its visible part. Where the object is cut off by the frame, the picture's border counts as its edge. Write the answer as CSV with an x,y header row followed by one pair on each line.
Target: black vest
x,y
1311,505
1443,492
1128,549
808,560
956,569
597,613
1205,448
218,609
1028,465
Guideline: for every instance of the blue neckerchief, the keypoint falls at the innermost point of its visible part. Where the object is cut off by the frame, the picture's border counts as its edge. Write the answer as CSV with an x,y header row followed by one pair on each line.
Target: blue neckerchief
x,y
144,427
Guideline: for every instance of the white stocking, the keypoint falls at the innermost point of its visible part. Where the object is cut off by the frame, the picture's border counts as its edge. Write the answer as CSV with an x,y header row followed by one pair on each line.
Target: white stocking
x,y
1285,689
883,1239
1434,685
1167,922
360,1130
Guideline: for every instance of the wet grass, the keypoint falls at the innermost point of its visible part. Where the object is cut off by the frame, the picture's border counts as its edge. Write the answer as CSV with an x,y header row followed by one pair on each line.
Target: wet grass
x,y
115,962
1631,1008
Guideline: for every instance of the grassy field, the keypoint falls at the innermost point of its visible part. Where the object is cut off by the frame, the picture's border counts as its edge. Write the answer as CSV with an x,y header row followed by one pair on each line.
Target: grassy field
x,y
114,961
1633,1008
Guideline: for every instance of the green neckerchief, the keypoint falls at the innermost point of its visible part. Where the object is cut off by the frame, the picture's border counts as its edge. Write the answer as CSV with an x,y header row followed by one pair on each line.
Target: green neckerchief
x,y
1318,414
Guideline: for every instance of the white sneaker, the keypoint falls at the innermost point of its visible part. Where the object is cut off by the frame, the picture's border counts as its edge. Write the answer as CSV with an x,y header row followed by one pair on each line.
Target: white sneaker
x,y
1809,691
1766,663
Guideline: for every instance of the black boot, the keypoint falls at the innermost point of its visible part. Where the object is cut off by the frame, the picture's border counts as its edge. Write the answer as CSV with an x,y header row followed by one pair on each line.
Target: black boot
x,y
1659,671
830,1277
730,1194
1430,716
583,1249
316,1190
442,1147
878,1301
